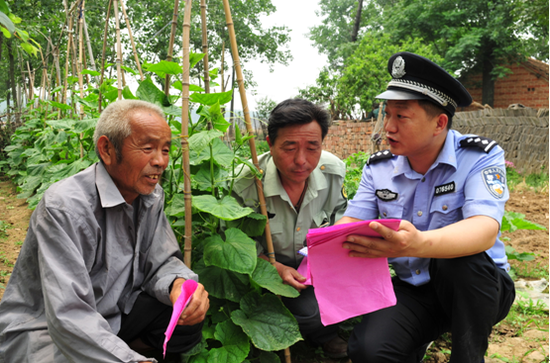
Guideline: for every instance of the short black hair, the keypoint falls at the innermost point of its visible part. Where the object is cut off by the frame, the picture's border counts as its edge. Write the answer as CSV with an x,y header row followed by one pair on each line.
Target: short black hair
x,y
297,111
432,109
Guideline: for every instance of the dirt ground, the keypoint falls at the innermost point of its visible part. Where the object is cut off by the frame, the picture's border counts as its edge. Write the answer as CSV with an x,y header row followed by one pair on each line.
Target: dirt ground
x,y
509,343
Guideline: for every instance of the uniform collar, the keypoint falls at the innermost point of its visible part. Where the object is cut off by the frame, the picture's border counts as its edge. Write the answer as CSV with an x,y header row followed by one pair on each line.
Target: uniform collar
x,y
447,155
109,195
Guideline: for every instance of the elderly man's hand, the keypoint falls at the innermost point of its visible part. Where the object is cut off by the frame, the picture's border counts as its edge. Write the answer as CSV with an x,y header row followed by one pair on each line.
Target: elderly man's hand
x,y
195,312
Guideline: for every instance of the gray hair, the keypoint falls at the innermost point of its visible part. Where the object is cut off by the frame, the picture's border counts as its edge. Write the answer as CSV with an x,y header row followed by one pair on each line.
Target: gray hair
x,y
114,122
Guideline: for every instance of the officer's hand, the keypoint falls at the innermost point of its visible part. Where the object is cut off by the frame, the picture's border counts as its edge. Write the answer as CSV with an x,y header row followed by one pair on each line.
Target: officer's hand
x,y
403,242
290,276
195,312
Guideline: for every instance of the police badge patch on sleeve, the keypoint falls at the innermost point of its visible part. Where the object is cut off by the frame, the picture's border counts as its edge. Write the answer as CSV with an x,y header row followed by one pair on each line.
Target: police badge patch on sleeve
x,y
495,181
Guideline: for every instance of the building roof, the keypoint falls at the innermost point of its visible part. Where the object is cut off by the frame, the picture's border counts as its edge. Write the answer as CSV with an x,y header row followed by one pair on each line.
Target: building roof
x,y
538,68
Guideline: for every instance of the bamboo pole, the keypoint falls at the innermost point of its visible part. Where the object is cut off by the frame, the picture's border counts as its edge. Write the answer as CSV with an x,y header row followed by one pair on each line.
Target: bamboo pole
x,y
119,51
171,45
80,55
259,186
205,47
67,60
131,39
187,247
89,44
246,112
103,53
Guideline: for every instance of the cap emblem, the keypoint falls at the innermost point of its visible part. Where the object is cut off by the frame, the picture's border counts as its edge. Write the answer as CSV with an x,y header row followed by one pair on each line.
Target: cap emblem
x,y
398,67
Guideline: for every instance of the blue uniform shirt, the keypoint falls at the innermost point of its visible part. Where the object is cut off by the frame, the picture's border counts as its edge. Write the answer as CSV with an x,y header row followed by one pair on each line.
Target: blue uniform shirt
x,y
463,182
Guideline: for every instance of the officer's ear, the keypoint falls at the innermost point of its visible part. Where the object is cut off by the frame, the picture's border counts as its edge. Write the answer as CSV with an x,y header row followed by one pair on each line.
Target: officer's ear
x,y
268,141
441,123
106,150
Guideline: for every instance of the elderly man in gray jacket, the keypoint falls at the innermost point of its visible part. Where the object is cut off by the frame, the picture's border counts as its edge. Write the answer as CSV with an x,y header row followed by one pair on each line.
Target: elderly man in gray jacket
x,y
101,268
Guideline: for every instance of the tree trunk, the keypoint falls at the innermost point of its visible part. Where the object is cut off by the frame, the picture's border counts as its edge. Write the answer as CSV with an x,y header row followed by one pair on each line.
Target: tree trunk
x,y
12,74
488,83
357,24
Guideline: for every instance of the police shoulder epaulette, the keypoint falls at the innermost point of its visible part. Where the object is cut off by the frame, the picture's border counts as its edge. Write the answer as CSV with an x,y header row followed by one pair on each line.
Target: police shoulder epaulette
x,y
381,155
483,143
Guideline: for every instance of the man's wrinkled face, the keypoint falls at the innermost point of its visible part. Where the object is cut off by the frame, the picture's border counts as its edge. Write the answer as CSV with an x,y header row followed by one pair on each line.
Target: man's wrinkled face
x,y
145,155
296,151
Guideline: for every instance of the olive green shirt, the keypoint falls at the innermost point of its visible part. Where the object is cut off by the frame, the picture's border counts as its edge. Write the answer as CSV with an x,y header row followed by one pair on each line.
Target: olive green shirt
x,y
323,203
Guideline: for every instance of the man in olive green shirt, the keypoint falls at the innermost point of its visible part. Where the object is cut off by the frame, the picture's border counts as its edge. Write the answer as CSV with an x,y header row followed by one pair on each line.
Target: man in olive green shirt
x,y
303,189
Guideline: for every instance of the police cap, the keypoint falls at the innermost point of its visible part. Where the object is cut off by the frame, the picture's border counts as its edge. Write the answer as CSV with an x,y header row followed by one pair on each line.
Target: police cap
x,y
416,78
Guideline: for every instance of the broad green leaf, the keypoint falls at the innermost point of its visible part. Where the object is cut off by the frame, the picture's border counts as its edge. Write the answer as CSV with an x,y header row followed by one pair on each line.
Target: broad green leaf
x,y
267,322
130,70
91,72
218,121
148,91
61,106
6,32
6,21
202,357
238,136
200,140
4,7
202,179
88,103
269,357
176,207
165,67
266,275
223,155
84,125
235,344
226,208
221,283
253,224
211,98
127,94
192,88
237,253
195,58
523,256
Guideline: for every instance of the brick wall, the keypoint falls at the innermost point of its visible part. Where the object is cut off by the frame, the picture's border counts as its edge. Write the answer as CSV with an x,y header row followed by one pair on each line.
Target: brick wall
x,y
523,134
525,86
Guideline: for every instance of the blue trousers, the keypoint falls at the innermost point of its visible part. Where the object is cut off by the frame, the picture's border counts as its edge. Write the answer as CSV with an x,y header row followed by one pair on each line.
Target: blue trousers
x,y
466,296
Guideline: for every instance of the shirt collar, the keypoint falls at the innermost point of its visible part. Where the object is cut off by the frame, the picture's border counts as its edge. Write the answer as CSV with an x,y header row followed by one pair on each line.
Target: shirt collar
x,y
109,194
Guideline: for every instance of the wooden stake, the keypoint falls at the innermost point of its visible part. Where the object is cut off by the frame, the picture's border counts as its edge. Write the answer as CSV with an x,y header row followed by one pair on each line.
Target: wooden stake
x,y
188,242
171,45
103,53
248,123
119,51
205,47
80,55
131,39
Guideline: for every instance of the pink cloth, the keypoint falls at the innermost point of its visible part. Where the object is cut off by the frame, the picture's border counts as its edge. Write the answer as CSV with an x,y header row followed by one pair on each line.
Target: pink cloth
x,y
346,286
187,290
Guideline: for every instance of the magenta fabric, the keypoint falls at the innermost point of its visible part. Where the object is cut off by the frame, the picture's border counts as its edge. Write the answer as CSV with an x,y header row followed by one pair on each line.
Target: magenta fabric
x,y
346,286
187,290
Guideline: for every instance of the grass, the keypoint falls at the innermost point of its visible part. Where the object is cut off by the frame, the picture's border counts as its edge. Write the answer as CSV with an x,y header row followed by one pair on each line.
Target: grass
x,y
538,182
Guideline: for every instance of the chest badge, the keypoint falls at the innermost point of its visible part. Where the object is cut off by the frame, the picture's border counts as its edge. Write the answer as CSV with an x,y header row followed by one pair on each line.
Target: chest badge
x,y
386,195
445,188
495,181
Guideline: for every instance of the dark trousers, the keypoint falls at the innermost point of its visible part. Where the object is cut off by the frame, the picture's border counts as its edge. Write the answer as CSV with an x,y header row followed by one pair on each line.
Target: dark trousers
x,y
149,319
306,311
466,296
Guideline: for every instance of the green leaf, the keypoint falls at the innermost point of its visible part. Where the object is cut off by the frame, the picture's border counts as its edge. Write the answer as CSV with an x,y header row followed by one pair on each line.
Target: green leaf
x,y
235,343
266,275
148,91
238,136
269,357
267,322
199,141
218,121
165,67
211,98
237,253
202,180
176,207
192,88
5,21
223,155
61,106
6,32
226,208
130,70
222,283
91,72
253,224
195,58
127,94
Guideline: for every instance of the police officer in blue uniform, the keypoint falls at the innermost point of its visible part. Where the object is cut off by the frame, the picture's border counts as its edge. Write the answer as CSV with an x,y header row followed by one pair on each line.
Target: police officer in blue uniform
x,y
449,190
